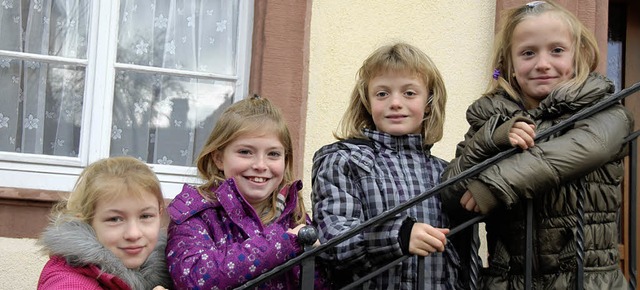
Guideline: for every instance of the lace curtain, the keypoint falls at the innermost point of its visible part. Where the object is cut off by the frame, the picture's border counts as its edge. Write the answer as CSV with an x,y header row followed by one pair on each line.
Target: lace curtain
x,y
41,104
161,118
158,116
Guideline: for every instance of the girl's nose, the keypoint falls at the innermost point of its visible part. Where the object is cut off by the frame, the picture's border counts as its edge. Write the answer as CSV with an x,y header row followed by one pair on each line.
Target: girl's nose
x,y
259,163
542,63
133,231
396,100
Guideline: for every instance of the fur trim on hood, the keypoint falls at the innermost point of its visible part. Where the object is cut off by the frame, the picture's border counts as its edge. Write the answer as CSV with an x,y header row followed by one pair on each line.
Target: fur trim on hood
x,y
76,242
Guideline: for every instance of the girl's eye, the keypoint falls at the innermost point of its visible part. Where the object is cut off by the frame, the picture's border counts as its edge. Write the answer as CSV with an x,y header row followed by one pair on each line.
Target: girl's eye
x,y
147,216
527,53
275,154
244,151
557,50
381,94
114,219
410,93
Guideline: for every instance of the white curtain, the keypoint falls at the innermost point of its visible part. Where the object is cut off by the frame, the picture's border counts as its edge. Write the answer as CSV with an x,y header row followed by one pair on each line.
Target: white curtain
x,y
40,103
166,119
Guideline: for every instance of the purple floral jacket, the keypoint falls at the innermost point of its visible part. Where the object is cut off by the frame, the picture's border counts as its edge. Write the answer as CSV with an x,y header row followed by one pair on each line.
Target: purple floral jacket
x,y
222,244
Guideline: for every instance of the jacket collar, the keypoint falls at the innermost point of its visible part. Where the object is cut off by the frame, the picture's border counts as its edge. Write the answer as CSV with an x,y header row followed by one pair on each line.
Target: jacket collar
x,y
230,199
76,242
593,90
407,142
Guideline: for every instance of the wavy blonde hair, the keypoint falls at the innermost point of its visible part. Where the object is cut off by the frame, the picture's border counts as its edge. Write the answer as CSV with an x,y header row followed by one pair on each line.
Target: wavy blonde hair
x,y
585,52
254,114
107,179
398,57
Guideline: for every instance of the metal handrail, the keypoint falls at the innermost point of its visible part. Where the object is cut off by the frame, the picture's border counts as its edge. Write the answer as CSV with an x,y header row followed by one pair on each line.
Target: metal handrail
x,y
311,254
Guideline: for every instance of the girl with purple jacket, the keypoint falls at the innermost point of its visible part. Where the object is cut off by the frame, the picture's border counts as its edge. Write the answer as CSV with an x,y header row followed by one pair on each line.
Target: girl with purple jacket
x,y
245,219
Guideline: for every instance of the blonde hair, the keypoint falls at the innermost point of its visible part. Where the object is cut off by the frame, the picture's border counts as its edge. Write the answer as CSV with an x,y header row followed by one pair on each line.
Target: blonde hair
x,y
106,179
585,52
254,114
398,57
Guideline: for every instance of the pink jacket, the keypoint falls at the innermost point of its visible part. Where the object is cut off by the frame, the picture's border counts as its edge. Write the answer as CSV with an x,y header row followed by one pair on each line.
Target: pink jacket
x,y
79,261
57,274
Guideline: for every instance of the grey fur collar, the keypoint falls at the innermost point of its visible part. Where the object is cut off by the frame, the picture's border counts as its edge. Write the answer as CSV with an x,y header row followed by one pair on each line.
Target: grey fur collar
x,y
76,242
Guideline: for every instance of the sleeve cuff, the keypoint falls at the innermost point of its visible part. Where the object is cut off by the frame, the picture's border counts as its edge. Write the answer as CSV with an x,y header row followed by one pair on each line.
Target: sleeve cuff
x,y
405,234
483,196
500,136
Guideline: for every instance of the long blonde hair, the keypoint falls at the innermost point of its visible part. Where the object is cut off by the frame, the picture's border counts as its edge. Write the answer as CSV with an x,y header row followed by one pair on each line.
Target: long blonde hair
x,y
254,114
398,57
106,179
585,52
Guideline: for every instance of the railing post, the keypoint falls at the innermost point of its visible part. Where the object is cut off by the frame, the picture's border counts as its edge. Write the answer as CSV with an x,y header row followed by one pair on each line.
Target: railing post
x,y
633,197
420,278
528,254
582,191
476,263
307,235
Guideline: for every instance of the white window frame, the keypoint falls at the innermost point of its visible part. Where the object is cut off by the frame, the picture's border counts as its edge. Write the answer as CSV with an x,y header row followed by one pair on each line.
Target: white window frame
x,y
47,172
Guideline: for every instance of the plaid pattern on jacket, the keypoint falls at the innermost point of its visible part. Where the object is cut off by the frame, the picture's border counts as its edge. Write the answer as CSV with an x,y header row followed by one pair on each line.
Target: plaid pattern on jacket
x,y
354,183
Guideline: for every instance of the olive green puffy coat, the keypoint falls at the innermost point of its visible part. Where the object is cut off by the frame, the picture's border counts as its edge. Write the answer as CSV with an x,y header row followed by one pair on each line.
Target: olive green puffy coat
x,y
588,155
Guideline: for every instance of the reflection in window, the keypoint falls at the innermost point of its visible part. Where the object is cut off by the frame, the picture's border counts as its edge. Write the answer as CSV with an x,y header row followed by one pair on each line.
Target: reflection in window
x,y
164,117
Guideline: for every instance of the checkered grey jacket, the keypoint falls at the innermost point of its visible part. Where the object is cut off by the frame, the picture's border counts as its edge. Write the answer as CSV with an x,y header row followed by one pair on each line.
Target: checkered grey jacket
x,y
354,183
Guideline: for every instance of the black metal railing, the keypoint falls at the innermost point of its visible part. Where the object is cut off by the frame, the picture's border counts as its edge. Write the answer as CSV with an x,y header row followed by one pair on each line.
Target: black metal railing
x,y
307,258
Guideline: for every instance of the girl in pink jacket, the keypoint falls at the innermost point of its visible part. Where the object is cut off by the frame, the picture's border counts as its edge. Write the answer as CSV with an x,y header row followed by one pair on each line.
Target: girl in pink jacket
x,y
106,234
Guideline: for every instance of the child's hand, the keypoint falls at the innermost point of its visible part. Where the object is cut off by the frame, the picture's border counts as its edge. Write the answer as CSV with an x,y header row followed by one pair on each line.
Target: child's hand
x,y
522,135
426,239
468,202
295,230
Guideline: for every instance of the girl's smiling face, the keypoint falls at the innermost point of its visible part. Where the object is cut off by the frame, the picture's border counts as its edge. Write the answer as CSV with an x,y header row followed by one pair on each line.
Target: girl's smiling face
x,y
542,53
398,103
128,226
256,162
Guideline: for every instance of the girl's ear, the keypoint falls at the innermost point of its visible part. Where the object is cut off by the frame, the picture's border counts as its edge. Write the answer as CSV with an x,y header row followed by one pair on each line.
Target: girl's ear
x,y
217,159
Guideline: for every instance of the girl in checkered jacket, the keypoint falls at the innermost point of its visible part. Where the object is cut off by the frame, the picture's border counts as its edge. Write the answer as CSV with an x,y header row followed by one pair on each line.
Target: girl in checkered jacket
x,y
383,159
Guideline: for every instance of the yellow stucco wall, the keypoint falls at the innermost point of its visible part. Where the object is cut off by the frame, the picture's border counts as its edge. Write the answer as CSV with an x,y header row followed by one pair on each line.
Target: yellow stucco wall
x,y
457,35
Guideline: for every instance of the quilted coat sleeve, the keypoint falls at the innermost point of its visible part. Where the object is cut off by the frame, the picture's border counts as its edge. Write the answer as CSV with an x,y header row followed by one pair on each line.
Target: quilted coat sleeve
x,y
206,256
476,147
591,143
338,208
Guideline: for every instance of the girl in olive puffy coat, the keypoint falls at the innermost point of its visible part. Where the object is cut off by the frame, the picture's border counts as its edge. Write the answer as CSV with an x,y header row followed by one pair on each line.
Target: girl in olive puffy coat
x,y
544,62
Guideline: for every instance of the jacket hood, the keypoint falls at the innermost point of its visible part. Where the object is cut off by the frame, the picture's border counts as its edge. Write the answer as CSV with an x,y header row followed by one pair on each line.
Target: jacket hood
x,y
76,242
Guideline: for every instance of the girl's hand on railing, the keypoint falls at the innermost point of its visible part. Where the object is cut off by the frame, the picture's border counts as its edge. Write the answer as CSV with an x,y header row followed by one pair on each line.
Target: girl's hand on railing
x,y
426,239
468,202
522,135
295,230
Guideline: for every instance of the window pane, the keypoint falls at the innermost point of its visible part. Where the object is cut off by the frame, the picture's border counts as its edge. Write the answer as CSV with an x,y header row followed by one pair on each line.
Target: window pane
x,y
165,119
41,107
615,43
193,35
49,27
